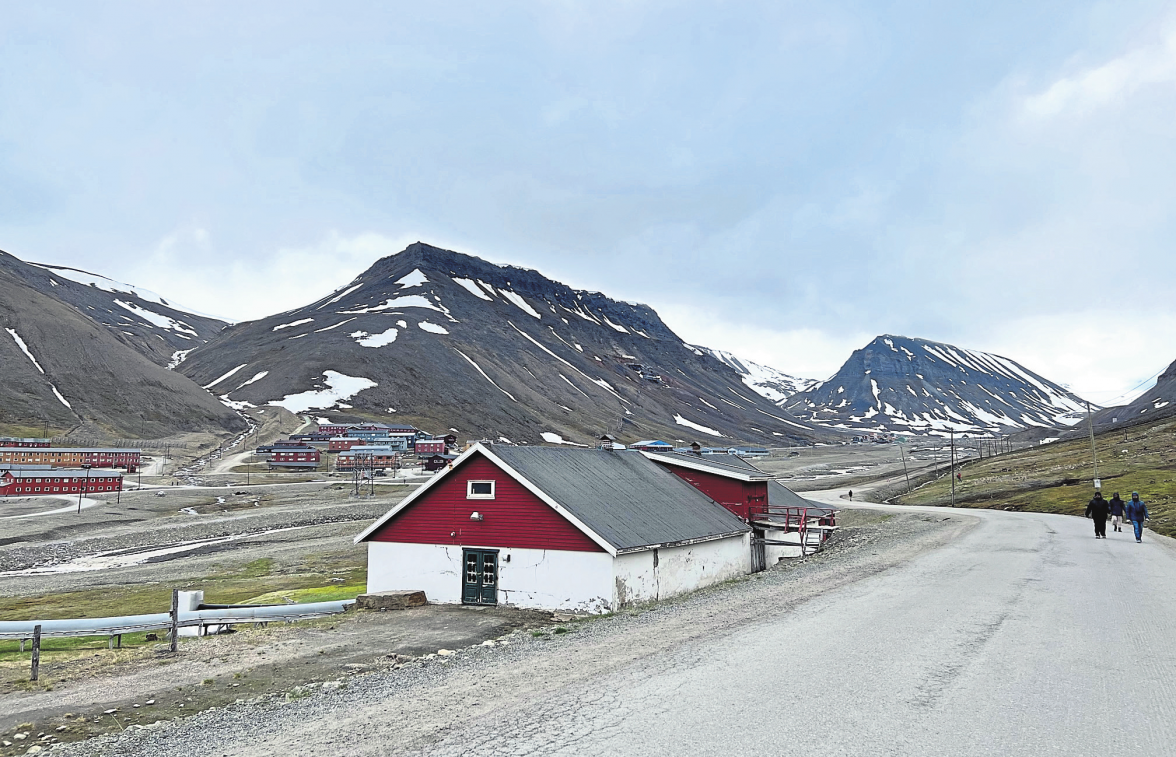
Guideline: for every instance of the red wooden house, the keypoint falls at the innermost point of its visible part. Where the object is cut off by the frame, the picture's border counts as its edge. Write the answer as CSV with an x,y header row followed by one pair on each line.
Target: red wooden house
x,y
555,528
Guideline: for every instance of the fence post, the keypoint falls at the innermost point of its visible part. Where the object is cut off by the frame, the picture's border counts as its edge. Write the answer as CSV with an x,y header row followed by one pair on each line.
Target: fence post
x,y
36,652
175,621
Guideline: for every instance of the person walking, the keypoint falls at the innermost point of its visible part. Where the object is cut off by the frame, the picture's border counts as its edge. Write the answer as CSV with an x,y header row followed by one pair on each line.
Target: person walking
x,y
1118,507
1137,513
1097,510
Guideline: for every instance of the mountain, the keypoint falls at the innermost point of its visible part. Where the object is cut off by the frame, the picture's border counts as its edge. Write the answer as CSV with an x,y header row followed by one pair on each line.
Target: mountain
x,y
1157,402
138,318
70,371
447,340
761,379
916,386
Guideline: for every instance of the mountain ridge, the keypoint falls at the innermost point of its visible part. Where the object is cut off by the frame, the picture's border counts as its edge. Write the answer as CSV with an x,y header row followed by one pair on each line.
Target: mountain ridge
x,y
449,340
911,385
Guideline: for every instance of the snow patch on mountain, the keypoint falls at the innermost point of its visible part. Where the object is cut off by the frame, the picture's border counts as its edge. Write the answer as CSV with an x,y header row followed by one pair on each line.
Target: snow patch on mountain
x,y
413,279
339,387
696,426
765,381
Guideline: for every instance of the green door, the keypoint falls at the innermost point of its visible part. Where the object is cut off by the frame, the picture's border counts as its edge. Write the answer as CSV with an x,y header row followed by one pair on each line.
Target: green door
x,y
480,579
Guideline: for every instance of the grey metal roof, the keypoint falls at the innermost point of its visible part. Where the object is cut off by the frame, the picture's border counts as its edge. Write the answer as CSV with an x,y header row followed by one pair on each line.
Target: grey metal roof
x,y
719,463
780,495
626,499
66,472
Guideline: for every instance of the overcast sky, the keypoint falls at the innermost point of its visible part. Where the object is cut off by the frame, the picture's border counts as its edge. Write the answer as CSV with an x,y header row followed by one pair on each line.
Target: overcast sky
x,y
781,180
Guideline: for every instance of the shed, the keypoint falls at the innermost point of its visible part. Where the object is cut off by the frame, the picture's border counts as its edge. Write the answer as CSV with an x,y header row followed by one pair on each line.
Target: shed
x,y
555,528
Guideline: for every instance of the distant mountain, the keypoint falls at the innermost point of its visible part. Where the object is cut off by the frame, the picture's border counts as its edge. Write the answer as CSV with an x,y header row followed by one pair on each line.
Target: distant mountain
x,y
761,379
140,319
448,340
67,369
1157,402
916,386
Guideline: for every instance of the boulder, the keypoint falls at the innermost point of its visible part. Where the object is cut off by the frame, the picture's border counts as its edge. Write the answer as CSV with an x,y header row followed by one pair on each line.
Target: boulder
x,y
391,600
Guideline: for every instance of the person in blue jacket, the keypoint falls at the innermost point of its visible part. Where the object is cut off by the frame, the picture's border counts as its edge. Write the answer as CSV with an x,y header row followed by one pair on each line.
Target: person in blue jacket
x,y
1137,514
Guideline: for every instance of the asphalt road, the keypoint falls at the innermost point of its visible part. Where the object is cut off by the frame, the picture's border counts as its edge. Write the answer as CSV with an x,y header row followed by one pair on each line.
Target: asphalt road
x,y
1026,636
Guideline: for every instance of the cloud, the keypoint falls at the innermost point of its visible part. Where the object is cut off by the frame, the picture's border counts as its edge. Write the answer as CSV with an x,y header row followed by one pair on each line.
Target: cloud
x,y
254,286
1104,85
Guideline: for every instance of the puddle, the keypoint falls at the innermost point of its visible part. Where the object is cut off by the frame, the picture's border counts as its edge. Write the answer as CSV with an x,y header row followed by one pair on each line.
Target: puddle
x,y
122,558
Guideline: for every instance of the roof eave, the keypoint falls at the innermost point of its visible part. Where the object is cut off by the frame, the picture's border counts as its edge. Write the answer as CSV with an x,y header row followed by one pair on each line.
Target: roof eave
x,y
725,472
683,542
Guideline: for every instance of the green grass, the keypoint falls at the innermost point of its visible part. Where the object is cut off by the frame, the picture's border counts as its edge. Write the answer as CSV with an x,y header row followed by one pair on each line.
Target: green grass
x,y
317,573
10,650
1058,477
313,594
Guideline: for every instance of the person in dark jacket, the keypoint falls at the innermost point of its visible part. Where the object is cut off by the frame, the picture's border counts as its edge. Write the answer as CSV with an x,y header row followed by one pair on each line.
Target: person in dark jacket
x,y
1097,509
1137,513
1118,507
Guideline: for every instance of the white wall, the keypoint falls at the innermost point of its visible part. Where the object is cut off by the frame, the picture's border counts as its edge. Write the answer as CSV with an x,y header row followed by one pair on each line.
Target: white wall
x,y
548,579
773,553
679,569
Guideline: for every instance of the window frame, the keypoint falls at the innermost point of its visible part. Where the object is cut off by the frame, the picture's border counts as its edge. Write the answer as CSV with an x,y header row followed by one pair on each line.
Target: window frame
x,y
470,489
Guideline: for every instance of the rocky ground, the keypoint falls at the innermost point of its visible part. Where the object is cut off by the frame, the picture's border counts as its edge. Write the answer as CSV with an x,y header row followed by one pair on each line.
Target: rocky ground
x,y
424,696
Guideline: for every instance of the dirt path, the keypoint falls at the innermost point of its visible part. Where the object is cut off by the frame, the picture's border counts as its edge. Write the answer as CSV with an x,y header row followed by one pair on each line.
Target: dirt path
x,y
407,710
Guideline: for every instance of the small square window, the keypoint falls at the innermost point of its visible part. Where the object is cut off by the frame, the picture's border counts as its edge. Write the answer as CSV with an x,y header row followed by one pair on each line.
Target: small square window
x,y
479,490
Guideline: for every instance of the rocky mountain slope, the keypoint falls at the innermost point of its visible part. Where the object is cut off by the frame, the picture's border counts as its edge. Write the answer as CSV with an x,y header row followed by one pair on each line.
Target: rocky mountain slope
x,y
1157,402
765,381
916,386
138,318
65,369
447,340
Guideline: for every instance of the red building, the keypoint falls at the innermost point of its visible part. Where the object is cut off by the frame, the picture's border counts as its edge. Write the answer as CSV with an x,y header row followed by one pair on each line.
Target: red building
x,y
296,457
11,441
32,483
343,443
334,429
71,457
731,481
427,447
554,528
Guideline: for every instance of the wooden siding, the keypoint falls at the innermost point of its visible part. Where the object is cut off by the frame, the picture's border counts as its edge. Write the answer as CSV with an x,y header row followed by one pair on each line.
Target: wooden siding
x,y
515,518
736,496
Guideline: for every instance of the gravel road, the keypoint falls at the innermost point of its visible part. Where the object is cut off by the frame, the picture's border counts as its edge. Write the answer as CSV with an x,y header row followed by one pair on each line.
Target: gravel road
x,y
563,692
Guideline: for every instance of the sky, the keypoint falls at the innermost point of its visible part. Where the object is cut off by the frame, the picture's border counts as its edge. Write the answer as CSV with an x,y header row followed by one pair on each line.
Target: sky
x,y
782,180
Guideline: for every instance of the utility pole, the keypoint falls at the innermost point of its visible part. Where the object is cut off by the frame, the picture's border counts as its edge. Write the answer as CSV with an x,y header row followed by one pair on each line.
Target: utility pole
x,y
87,489
904,468
951,471
1093,452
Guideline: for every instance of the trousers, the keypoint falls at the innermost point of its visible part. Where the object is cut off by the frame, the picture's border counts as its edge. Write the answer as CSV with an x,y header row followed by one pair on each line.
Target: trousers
x,y
1138,529
1100,526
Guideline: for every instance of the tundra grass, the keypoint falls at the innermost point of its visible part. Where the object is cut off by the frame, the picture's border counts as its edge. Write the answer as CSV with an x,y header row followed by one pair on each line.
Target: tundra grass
x,y
1058,477
241,585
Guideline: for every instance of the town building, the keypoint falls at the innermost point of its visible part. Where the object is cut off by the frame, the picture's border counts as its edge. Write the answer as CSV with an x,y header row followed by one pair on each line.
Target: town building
x,y
652,445
556,528
342,443
295,457
71,457
12,441
32,482
368,457
427,447
436,462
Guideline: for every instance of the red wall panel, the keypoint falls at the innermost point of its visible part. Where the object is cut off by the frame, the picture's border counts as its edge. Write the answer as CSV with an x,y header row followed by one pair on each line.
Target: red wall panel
x,y
515,518
736,496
